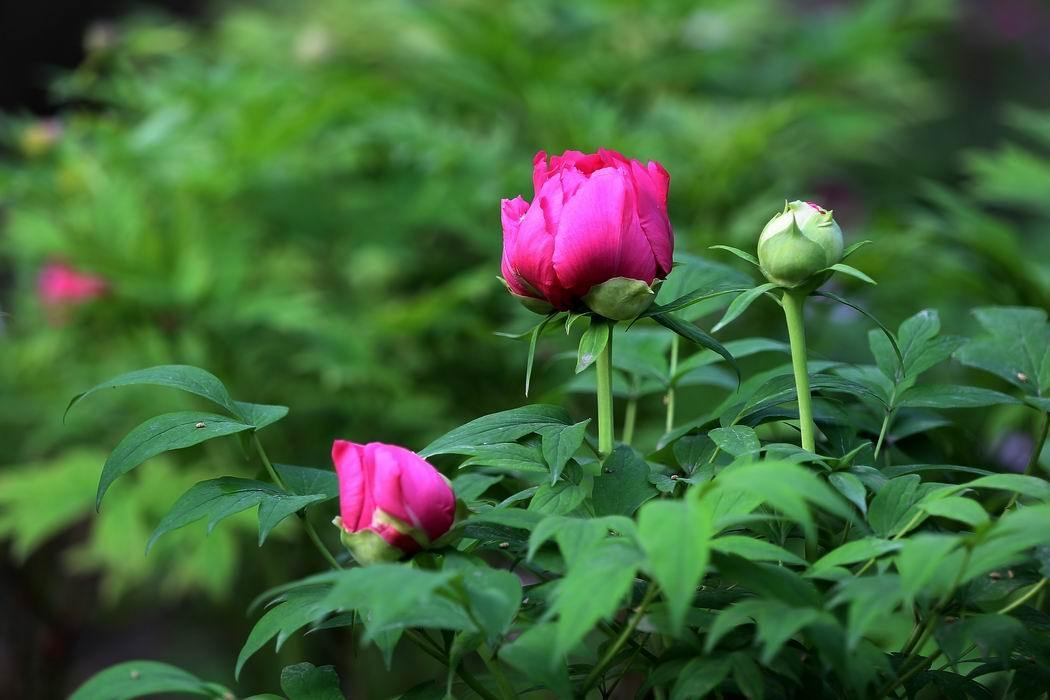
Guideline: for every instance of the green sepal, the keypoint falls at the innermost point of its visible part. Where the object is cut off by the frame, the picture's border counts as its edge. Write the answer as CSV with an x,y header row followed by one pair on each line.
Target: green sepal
x,y
368,547
621,298
533,304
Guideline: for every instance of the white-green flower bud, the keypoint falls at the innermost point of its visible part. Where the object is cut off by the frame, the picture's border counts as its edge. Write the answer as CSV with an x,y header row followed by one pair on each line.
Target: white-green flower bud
x,y
798,245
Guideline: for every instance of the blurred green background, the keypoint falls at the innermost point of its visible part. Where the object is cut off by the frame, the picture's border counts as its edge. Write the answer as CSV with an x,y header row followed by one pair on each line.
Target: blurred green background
x,y
303,198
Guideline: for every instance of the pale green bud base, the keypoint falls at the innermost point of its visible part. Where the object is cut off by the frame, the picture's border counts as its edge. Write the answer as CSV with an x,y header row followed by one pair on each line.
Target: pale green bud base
x,y
368,547
620,299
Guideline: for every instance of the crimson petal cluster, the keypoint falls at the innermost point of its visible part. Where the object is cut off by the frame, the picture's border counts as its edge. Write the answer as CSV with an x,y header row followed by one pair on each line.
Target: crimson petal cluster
x,y
594,217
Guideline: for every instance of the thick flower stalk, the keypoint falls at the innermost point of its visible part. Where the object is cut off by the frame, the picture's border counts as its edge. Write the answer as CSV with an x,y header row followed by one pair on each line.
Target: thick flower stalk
x,y
392,502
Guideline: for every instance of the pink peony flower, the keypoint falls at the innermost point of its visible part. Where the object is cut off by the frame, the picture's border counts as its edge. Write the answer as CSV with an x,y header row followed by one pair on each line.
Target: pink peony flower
x,y
594,217
60,285
392,502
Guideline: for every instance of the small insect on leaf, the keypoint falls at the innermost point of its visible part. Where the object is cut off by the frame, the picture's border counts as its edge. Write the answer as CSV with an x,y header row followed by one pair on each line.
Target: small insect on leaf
x,y
200,424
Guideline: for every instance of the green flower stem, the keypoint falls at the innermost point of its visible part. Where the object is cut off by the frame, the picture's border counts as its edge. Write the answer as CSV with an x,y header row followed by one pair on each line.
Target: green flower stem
x,y
886,420
466,676
596,673
1032,592
311,532
630,416
669,396
606,437
493,665
1037,450
793,303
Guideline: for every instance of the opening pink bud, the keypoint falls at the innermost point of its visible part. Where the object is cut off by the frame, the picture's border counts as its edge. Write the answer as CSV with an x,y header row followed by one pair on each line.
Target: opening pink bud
x,y
594,217
393,493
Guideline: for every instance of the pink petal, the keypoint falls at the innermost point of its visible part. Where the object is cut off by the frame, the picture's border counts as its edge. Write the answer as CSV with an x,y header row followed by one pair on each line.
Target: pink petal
x,y
428,499
586,163
539,170
652,212
386,481
512,211
600,237
528,259
352,483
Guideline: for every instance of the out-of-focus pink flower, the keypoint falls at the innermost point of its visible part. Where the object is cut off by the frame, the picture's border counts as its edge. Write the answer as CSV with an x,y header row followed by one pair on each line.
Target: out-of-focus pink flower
x,y
594,217
392,502
62,285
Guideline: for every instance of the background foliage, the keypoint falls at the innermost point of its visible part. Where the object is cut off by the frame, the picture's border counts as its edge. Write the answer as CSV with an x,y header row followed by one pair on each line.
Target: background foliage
x,y
303,200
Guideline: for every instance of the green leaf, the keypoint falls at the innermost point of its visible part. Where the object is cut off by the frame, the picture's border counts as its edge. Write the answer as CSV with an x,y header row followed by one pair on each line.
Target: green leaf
x,y
220,498
559,444
850,250
506,456
189,379
675,536
623,484
530,654
505,426
740,304
493,596
785,486
308,481
851,487
576,536
748,676
260,415
964,510
592,343
883,328
775,623
136,679
1016,347
394,595
856,551
695,335
890,509
307,682
1023,484
170,431
299,607
744,347
736,440
755,550
557,499
695,285
768,580
592,590
509,517
699,677
537,331
737,252
470,486
952,396
852,272
926,564
871,599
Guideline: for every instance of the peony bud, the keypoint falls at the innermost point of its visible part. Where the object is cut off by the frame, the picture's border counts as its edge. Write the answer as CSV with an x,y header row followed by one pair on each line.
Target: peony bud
x,y
595,236
392,502
798,245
